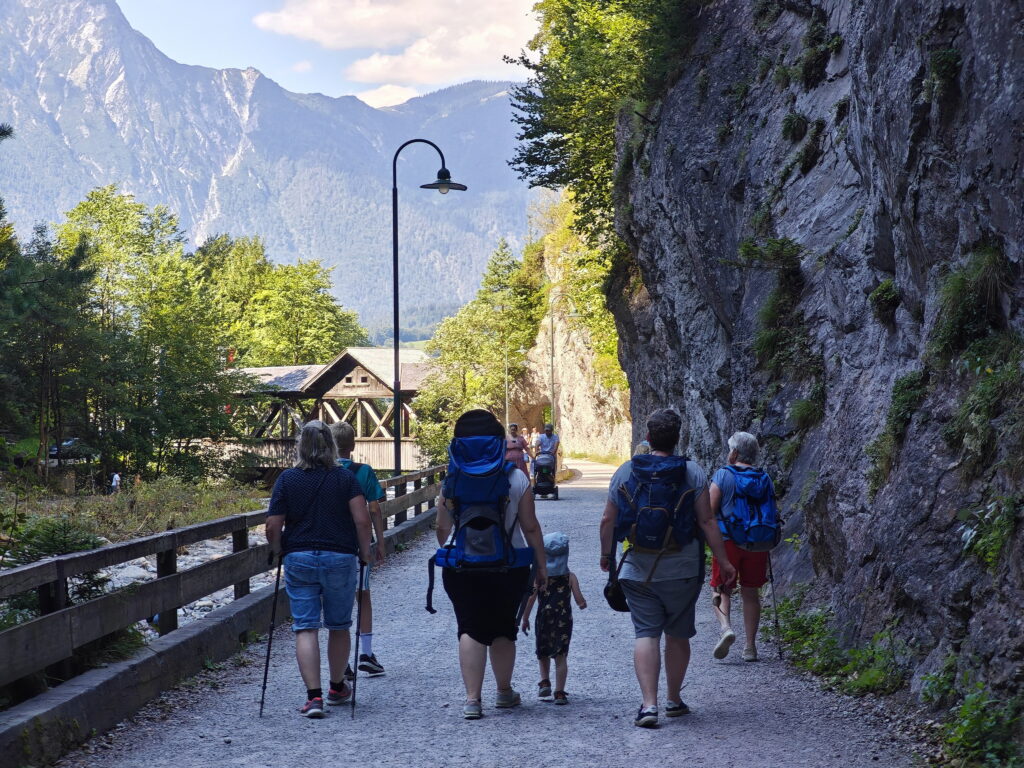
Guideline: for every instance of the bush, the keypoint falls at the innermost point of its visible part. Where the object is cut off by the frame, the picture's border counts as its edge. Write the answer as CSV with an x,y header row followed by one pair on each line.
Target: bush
x,y
781,76
943,71
809,411
794,126
985,531
982,730
938,687
970,304
884,300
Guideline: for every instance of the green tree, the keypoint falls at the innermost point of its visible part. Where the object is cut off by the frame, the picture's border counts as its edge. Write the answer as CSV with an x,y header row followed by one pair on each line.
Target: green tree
x,y
296,321
590,61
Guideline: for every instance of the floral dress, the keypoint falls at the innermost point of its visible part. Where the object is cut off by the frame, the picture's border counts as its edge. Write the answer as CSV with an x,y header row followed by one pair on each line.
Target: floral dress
x,y
554,618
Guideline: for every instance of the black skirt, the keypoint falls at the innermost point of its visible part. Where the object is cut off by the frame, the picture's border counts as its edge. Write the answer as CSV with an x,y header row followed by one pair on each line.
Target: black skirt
x,y
486,602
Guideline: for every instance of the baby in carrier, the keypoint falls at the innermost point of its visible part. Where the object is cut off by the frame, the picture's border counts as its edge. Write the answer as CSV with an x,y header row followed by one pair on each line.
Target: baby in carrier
x,y
554,618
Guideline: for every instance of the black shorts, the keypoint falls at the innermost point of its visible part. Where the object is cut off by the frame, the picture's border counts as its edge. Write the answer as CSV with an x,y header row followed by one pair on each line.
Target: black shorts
x,y
486,603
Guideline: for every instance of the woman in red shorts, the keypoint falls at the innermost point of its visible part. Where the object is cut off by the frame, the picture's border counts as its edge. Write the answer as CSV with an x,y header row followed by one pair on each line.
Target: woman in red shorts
x,y
751,567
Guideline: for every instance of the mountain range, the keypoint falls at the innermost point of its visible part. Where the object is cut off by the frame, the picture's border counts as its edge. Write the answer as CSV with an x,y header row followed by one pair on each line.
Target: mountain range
x,y
94,102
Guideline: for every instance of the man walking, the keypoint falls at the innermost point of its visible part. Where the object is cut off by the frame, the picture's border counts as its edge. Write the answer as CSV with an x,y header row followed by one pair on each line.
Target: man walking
x,y
752,567
545,442
661,587
345,439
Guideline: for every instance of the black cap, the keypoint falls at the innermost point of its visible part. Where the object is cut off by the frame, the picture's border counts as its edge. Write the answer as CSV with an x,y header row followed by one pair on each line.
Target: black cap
x,y
478,423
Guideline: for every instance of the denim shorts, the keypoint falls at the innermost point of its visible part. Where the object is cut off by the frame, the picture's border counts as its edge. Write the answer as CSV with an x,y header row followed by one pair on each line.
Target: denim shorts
x,y
320,584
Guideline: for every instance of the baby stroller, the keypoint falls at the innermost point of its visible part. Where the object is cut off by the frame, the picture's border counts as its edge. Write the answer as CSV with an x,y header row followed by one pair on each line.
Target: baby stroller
x,y
544,483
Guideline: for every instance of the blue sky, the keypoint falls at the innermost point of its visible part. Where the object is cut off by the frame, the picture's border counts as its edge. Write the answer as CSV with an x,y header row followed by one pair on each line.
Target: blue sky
x,y
384,51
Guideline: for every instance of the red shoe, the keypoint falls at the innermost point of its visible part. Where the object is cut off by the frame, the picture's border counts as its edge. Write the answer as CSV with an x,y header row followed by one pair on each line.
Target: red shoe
x,y
314,708
339,697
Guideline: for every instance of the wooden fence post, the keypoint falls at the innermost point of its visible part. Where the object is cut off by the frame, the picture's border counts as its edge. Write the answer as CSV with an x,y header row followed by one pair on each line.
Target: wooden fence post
x,y
53,597
416,485
240,543
402,515
167,565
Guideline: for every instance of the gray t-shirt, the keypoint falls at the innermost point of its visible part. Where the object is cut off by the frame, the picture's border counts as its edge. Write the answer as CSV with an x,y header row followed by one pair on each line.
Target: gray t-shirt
x,y
684,564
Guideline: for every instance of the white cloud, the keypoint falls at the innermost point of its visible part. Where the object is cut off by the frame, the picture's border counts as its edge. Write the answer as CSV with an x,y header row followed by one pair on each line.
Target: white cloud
x,y
415,41
302,66
387,95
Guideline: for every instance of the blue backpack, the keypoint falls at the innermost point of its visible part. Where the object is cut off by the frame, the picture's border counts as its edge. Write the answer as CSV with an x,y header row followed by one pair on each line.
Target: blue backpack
x,y
477,490
754,524
655,506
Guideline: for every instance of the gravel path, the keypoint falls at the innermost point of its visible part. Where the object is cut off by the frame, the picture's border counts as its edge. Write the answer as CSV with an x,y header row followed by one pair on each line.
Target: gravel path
x,y
743,714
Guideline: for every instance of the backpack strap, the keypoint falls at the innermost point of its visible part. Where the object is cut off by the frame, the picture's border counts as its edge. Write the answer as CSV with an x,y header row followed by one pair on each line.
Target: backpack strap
x,y
430,584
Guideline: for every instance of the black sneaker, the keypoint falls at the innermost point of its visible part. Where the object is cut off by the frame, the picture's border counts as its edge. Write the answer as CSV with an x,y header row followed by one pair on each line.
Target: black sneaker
x,y
674,709
370,665
349,674
646,717
314,708
334,698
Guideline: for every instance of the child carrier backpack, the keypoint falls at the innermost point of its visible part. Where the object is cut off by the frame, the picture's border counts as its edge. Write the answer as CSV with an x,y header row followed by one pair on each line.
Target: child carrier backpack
x,y
655,506
754,523
477,490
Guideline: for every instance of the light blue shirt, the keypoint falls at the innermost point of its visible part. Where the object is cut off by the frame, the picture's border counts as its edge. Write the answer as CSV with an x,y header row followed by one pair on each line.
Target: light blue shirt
x,y
546,444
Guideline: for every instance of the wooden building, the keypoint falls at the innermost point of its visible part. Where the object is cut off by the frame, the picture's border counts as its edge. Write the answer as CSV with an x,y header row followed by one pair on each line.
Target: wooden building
x,y
356,386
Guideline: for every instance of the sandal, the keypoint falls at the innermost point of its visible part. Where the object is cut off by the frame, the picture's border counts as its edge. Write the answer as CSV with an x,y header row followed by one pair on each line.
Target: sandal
x,y
544,690
561,697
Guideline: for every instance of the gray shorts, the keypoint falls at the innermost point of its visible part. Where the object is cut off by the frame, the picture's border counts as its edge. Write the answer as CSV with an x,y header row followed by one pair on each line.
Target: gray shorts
x,y
667,607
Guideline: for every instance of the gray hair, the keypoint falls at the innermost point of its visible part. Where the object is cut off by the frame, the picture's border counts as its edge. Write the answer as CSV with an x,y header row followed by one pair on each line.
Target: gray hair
x,y
316,446
746,447
344,436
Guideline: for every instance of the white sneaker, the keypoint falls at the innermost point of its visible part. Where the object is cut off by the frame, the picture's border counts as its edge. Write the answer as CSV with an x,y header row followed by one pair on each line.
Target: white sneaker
x,y
722,649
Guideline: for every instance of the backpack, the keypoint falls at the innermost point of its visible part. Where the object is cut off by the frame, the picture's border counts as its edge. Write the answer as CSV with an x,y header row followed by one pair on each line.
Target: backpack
x,y
477,488
655,506
754,524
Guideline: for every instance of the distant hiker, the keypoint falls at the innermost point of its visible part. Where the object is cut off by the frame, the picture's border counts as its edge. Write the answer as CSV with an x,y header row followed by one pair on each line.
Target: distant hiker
x,y
489,537
737,494
516,448
553,628
115,482
318,521
546,442
642,448
345,439
662,573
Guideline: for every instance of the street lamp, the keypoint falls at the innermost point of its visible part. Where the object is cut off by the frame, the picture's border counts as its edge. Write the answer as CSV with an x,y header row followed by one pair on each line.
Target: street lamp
x,y
442,184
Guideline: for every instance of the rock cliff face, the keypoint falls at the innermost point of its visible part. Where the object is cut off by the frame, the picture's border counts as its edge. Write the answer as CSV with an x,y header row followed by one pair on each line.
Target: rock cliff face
x,y
885,140
592,418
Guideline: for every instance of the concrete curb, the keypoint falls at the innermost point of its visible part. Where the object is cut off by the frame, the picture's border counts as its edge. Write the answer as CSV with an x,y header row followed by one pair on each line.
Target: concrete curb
x,y
40,730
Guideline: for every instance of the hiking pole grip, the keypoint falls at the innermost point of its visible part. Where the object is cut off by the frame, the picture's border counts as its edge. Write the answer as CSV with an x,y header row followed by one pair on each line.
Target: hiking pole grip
x,y
270,632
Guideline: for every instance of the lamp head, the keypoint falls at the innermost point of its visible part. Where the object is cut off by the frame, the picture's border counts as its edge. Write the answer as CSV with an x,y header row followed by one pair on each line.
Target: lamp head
x,y
444,183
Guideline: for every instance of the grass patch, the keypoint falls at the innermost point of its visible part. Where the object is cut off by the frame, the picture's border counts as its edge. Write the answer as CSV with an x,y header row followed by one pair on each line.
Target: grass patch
x,y
810,152
907,394
613,459
885,299
781,76
809,411
766,13
818,49
986,531
842,109
813,646
970,304
144,508
794,126
939,687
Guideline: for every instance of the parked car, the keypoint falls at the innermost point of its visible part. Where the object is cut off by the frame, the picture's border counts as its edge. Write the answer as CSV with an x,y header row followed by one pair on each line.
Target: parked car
x,y
73,448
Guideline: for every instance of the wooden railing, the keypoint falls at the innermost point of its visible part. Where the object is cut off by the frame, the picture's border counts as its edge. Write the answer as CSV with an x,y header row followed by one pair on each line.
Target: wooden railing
x,y
53,637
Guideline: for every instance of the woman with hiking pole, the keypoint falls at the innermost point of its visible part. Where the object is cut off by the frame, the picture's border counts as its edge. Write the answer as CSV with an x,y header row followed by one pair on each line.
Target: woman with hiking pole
x,y
319,523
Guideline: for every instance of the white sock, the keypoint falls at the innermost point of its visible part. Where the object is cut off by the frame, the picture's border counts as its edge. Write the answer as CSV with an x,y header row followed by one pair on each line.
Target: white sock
x,y
366,643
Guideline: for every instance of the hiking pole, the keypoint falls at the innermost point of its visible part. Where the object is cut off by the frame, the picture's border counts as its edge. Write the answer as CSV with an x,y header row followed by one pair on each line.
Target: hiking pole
x,y
270,633
359,628
775,607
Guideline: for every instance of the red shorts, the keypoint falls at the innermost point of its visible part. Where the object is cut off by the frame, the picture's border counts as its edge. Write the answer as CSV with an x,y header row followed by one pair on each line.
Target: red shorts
x,y
751,567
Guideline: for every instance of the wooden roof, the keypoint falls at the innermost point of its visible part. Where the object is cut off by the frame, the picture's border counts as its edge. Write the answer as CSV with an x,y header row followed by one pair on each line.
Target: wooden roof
x,y
314,381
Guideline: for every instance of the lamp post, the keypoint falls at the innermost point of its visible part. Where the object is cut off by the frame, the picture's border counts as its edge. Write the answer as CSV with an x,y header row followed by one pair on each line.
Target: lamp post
x,y
442,184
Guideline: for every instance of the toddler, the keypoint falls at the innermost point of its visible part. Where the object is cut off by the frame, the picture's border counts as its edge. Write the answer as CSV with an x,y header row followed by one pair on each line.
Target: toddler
x,y
554,618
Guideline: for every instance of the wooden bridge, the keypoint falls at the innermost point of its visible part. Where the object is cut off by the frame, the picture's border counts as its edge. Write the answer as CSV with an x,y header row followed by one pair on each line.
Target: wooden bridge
x,y
356,386
37,653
